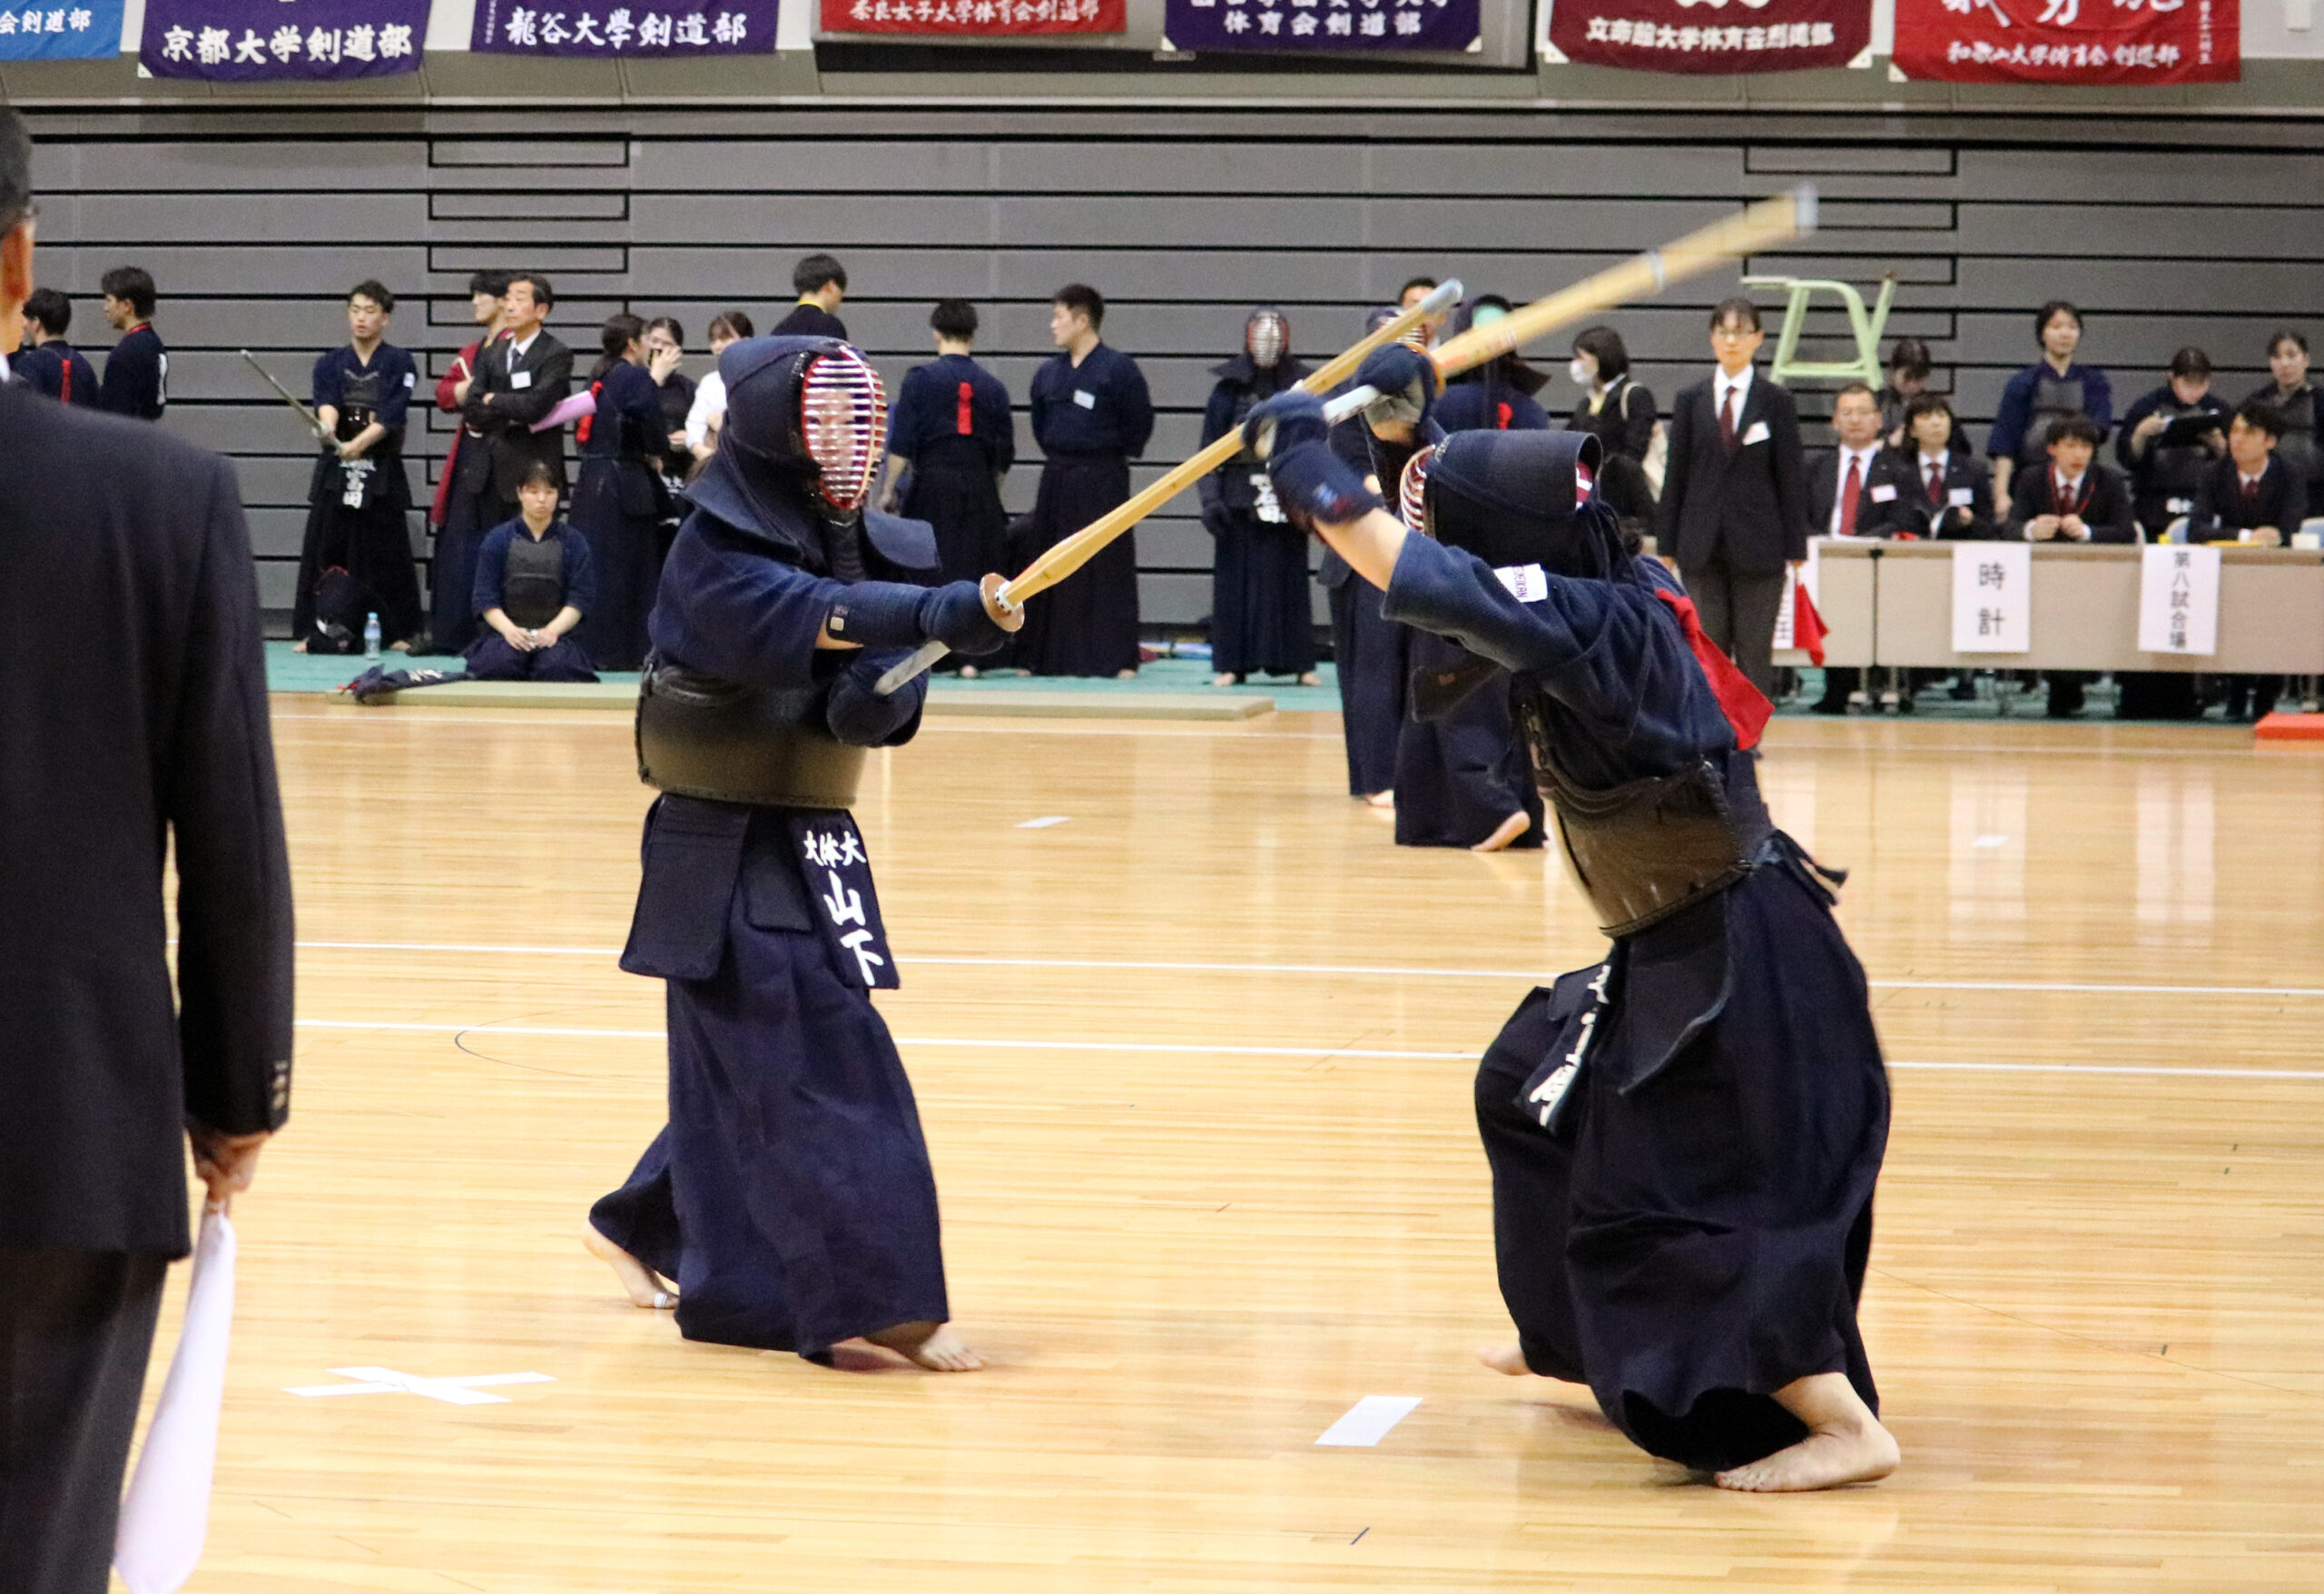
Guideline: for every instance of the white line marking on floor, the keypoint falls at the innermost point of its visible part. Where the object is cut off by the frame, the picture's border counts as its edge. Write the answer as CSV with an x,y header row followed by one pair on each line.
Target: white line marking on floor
x,y
452,1392
2036,986
1207,1048
1991,841
1368,1420
1044,821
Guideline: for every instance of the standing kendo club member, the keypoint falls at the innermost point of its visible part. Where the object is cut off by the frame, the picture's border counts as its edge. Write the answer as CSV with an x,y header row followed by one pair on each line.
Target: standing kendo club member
x,y
953,441
1261,619
359,500
135,716
1370,654
789,1198
1091,415
520,377
1685,1139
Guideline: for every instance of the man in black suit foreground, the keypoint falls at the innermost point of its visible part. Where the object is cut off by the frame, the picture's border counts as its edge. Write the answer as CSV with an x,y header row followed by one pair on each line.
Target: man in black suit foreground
x,y
134,708
1734,506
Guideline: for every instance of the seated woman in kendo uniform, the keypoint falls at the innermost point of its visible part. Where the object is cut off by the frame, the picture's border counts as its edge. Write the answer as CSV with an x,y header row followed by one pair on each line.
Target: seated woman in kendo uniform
x,y
534,584
790,1197
1684,1140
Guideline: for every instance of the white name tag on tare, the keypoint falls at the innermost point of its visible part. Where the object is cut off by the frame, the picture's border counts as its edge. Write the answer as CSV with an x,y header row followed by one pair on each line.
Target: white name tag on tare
x,y
1960,498
1085,397
519,380
1757,434
1992,597
1528,583
1885,493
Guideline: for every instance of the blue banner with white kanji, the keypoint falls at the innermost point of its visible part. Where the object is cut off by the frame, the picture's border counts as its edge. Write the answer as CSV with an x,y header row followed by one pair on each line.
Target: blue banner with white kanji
x,y
1320,25
687,27
244,40
84,31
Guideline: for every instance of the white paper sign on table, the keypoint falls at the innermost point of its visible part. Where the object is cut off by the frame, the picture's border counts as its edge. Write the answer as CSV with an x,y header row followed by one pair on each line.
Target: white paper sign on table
x,y
165,1514
2178,599
1992,597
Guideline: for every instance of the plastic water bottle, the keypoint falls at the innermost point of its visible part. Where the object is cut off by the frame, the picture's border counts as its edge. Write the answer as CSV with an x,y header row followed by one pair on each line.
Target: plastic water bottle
x,y
371,638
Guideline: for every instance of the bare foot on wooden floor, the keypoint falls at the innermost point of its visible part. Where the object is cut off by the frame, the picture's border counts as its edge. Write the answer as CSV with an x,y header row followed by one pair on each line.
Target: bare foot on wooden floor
x,y
1509,829
933,1345
1845,1444
1381,799
1507,1358
644,1286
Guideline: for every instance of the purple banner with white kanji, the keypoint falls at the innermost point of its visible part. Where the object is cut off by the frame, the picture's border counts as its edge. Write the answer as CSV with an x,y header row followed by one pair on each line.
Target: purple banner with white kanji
x,y
241,41
1320,24
559,27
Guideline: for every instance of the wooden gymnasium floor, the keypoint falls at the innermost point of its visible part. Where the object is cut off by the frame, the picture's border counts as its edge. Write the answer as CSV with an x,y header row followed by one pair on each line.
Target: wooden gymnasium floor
x,y
1194,1065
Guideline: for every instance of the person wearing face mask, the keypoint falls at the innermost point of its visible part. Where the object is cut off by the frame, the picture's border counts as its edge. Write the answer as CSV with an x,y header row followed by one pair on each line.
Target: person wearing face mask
x,y
1497,395
1260,618
2168,440
2293,398
789,1198
2053,387
1620,414
1686,1139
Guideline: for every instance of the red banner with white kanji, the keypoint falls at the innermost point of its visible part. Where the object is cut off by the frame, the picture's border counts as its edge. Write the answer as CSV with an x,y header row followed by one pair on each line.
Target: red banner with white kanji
x,y
2070,41
975,19
1711,36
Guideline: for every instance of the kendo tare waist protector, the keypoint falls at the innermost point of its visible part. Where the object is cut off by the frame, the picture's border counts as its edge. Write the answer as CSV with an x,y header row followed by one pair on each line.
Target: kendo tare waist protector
x,y
699,736
1645,849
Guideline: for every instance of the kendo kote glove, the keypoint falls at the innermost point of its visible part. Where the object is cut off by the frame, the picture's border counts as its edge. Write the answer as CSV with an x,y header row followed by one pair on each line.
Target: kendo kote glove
x,y
1405,380
1311,482
888,614
857,714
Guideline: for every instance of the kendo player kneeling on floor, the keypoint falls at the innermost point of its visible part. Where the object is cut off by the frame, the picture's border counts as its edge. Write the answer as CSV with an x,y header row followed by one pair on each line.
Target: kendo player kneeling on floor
x,y
791,1197
534,583
1684,1140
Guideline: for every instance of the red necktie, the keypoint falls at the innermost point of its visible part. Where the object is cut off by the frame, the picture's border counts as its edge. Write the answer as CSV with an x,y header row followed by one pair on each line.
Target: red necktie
x,y
2251,492
1850,494
1727,422
1937,484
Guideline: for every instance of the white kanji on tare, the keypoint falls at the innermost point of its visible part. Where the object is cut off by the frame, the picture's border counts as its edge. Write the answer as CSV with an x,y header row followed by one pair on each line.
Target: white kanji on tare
x,y
1551,1090
846,907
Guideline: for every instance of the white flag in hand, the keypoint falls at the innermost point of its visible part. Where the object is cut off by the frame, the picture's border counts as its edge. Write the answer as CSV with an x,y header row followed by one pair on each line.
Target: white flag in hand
x,y
165,1515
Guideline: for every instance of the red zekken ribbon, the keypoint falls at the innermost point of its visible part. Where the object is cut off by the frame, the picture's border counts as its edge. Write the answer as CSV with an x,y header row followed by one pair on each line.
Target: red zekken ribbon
x,y
1746,707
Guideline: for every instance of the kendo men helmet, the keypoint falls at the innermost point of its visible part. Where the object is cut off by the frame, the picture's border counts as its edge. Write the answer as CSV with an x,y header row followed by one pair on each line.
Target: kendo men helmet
x,y
1265,335
812,409
1514,498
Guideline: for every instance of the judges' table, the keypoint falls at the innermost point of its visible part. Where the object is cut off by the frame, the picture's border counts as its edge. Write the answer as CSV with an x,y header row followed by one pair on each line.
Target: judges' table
x,y
1891,603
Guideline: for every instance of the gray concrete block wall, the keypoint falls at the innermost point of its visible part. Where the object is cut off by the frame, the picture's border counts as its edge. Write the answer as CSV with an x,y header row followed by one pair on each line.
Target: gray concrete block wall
x,y
255,230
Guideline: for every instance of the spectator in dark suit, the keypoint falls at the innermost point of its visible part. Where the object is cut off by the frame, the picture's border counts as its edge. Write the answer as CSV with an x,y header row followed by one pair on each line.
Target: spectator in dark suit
x,y
2075,500
137,371
2293,398
520,377
136,715
1930,489
821,283
2256,497
1837,505
1734,507
48,364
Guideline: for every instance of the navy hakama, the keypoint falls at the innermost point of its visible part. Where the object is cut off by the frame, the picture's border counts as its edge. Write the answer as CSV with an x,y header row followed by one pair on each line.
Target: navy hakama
x,y
1261,617
1370,654
1086,624
1464,771
618,504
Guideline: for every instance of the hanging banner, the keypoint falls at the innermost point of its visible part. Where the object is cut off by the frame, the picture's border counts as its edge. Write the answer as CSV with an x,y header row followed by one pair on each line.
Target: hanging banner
x,y
1705,37
2070,41
1320,25
243,41
973,19
84,32
1992,597
505,27
2178,599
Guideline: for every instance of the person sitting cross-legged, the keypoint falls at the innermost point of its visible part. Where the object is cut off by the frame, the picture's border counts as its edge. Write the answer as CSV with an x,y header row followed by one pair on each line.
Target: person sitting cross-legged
x,y
533,584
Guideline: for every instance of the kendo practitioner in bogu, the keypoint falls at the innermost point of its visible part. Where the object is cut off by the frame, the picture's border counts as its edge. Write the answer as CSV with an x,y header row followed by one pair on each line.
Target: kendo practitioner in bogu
x,y
360,498
789,1198
1261,620
1685,1139
1370,653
